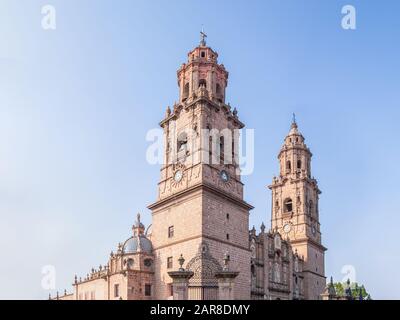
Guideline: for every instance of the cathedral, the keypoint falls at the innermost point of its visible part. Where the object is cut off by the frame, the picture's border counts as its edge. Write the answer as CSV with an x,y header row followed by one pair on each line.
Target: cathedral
x,y
199,246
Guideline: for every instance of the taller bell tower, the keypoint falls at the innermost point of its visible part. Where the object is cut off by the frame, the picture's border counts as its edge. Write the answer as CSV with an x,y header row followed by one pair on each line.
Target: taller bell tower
x,y
200,212
295,213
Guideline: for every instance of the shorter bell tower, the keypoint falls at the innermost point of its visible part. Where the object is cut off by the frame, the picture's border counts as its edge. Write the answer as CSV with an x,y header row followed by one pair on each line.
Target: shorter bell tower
x,y
295,212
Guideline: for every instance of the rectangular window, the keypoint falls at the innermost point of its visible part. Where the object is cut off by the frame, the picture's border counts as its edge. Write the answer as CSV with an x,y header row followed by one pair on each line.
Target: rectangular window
x,y
169,263
147,290
171,289
116,290
170,231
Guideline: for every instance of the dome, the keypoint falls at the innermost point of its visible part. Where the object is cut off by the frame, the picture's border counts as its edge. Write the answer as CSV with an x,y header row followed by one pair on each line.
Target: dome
x,y
137,244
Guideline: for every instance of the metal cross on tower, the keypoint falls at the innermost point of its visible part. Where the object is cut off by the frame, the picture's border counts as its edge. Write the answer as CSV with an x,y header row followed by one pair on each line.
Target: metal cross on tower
x,y
203,37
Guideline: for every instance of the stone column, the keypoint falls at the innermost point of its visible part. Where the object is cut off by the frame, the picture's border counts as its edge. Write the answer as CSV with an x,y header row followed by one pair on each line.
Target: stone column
x,y
226,284
180,281
226,281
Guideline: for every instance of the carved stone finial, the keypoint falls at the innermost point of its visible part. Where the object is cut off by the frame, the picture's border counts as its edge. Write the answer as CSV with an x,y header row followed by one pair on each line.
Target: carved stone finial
x,y
76,279
65,292
262,227
181,261
235,112
168,113
226,261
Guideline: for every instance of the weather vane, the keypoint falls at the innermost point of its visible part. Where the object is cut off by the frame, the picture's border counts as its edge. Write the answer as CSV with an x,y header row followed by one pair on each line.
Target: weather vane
x,y
294,117
203,37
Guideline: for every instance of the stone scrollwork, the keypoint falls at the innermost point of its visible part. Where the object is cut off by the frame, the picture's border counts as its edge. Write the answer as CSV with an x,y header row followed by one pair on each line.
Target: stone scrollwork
x,y
204,266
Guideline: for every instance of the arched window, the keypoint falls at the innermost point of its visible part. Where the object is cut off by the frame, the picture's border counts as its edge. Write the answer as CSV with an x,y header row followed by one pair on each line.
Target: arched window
x,y
203,83
210,150
253,276
218,92
288,205
130,263
310,207
221,148
288,165
233,151
221,143
182,141
298,164
185,91
218,89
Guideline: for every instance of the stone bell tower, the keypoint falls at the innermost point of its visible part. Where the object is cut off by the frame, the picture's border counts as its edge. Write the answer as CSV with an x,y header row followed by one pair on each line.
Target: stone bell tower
x,y
295,213
200,212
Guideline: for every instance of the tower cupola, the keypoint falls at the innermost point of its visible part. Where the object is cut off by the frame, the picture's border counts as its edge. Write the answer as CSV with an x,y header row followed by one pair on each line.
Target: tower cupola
x,y
202,72
295,156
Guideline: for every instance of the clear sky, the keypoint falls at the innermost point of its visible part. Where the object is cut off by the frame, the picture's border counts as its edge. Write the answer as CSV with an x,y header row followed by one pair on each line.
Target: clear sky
x,y
76,104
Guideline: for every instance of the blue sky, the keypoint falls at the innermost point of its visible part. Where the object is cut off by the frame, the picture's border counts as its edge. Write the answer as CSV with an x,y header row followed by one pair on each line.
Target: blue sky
x,y
76,104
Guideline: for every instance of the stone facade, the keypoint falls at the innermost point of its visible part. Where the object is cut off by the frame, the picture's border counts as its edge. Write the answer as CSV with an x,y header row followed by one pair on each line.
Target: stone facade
x,y
200,218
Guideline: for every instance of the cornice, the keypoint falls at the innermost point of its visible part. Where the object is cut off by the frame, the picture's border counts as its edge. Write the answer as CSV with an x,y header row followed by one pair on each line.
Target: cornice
x,y
308,240
201,186
214,104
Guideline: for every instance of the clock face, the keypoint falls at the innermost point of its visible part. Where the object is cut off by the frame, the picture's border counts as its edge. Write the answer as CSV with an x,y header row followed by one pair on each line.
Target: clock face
x,y
224,176
287,227
178,176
